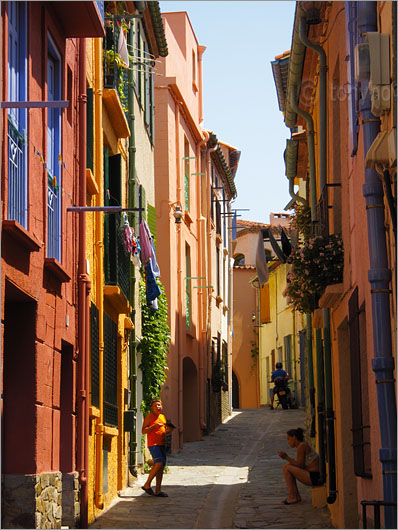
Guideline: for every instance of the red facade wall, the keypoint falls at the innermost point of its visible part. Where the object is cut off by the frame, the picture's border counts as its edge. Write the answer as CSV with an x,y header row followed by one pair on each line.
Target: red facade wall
x,y
38,341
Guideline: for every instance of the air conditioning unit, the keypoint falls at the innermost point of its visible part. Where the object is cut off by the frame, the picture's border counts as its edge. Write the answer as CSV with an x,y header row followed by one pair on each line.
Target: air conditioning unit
x,y
382,154
372,64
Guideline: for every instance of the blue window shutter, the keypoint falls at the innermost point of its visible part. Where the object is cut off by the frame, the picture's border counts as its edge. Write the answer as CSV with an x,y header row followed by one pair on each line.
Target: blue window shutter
x,y
54,184
17,118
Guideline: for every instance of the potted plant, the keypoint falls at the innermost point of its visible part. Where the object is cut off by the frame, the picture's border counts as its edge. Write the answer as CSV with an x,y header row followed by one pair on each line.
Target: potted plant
x,y
317,263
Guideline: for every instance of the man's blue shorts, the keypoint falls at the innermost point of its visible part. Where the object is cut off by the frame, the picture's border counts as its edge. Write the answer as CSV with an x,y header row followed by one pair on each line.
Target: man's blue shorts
x,y
158,453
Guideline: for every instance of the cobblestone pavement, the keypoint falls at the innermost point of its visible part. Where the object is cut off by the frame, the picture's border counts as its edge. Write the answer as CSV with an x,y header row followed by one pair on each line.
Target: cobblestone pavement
x,y
232,478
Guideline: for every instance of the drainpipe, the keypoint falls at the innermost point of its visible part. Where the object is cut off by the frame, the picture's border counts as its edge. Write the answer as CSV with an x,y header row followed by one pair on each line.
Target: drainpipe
x,y
310,368
311,149
322,100
379,277
99,252
83,290
133,280
329,407
290,156
320,401
202,273
179,322
325,312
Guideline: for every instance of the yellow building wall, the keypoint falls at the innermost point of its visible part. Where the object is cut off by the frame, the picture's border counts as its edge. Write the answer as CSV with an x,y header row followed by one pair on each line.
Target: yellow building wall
x,y
102,436
271,335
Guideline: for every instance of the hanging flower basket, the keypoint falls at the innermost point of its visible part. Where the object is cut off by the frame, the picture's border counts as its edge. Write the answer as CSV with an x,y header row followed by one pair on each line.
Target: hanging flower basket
x,y
318,263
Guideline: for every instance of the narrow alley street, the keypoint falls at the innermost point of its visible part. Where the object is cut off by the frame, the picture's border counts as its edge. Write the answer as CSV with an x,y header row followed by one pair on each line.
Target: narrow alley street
x,y
232,478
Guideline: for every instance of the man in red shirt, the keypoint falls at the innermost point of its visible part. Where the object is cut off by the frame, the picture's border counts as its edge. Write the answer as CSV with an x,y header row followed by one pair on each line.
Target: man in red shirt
x,y
156,427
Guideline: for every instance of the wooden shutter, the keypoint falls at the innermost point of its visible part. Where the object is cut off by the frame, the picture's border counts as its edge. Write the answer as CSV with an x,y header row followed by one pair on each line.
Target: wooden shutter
x,y
110,372
265,311
356,386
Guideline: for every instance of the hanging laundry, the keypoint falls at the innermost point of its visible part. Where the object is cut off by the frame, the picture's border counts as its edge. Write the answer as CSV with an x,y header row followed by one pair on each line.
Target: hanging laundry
x,y
152,288
128,235
145,242
122,49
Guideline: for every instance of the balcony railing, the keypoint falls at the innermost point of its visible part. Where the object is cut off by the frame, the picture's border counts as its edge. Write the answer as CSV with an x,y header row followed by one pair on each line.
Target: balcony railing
x,y
117,261
16,176
114,75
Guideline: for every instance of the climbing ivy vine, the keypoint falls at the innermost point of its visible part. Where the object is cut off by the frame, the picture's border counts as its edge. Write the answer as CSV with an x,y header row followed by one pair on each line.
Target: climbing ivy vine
x,y
154,346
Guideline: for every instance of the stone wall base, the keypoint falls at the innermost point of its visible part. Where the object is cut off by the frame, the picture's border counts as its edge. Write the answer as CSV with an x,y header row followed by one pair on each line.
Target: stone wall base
x,y
48,500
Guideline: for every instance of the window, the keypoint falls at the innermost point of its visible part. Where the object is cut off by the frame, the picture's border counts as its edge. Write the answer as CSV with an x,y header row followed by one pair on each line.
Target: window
x,y
17,118
54,184
193,67
359,391
110,372
239,260
94,321
265,312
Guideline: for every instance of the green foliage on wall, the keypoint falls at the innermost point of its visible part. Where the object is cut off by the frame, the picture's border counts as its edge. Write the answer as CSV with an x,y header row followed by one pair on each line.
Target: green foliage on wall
x,y
154,346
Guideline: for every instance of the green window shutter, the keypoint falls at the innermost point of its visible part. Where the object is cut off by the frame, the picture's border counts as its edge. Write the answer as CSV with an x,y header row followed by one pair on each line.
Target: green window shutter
x,y
94,321
90,129
152,221
110,372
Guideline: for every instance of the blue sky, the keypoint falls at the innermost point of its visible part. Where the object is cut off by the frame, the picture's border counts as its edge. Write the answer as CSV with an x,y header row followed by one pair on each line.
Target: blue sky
x,y
239,96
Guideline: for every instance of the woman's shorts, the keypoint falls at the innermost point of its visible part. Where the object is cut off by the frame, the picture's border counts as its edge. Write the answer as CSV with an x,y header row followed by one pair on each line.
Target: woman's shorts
x,y
316,478
158,453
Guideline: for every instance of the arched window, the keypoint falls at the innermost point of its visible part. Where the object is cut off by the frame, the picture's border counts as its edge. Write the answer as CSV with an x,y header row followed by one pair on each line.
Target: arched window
x,y
239,260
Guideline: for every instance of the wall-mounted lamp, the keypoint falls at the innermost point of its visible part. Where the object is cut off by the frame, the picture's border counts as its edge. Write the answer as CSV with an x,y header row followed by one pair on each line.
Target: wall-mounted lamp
x,y
253,317
178,213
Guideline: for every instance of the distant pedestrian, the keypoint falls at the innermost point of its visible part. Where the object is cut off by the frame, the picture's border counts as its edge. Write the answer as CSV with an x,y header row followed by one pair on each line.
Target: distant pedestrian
x,y
156,427
305,468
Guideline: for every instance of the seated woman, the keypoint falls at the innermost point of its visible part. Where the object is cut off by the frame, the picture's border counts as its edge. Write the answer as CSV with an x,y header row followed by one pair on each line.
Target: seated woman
x,y
304,469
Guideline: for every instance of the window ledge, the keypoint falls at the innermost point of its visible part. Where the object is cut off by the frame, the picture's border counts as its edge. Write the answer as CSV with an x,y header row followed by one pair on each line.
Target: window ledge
x,y
91,185
218,300
56,269
114,108
111,431
21,235
117,300
218,239
94,412
187,218
195,86
331,295
225,251
225,309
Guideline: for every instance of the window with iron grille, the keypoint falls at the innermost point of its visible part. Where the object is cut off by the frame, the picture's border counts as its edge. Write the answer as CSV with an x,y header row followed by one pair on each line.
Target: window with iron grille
x,y
359,391
17,118
110,372
94,321
116,259
54,184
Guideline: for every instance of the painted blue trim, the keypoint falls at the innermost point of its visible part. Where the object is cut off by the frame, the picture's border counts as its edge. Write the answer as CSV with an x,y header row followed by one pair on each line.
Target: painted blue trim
x,y
352,38
54,168
379,277
17,128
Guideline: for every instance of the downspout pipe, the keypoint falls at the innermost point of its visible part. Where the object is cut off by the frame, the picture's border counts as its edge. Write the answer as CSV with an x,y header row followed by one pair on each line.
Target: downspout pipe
x,y
83,290
310,369
322,100
202,272
290,157
99,234
320,401
330,418
132,462
325,312
311,149
379,277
